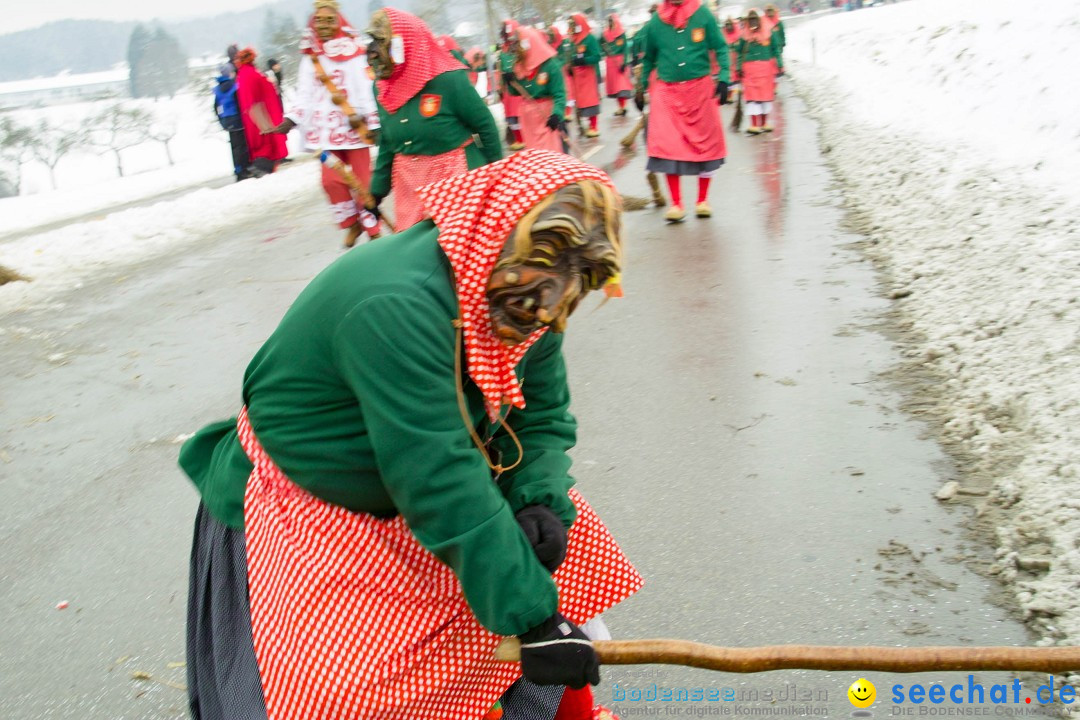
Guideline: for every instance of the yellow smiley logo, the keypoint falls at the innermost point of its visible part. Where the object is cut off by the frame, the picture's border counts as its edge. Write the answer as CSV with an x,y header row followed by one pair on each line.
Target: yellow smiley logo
x,y
862,693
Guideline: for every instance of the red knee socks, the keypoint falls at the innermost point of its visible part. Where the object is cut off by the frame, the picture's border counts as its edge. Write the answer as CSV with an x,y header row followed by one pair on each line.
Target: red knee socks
x,y
517,135
673,189
576,704
702,188
622,103
592,122
764,120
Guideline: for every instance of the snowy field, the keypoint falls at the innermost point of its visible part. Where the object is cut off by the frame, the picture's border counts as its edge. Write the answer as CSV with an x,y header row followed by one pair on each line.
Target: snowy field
x,y
87,180
954,128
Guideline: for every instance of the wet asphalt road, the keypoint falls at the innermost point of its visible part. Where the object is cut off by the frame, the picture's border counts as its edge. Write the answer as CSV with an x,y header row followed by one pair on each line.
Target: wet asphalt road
x,y
734,433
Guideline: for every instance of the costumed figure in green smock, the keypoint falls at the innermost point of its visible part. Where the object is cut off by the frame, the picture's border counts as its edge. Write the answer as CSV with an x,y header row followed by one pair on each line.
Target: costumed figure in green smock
x,y
617,61
757,60
565,52
434,125
511,103
685,134
538,79
776,25
585,71
395,493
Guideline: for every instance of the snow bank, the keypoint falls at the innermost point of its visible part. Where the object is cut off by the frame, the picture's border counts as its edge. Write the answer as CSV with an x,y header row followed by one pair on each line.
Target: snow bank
x,y
954,127
60,260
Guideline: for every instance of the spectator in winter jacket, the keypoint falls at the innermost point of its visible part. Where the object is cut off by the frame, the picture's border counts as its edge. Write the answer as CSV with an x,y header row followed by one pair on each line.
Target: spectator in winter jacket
x,y
228,114
274,74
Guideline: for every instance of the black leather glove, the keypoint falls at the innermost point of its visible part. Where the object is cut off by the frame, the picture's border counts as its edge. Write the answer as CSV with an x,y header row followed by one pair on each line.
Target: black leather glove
x,y
374,207
557,652
508,79
722,92
554,122
541,525
579,60
639,101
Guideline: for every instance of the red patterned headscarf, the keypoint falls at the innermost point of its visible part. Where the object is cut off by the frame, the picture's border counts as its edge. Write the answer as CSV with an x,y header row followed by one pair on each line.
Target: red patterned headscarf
x,y
476,213
508,29
424,59
556,37
763,34
612,34
341,47
448,42
583,27
677,15
536,48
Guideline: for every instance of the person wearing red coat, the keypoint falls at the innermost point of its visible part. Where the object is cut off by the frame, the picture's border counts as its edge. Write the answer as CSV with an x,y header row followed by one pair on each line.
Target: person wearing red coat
x,y
261,112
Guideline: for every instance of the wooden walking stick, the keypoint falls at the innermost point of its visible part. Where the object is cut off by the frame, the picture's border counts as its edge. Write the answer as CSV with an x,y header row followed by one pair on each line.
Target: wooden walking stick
x,y
339,98
1053,660
362,193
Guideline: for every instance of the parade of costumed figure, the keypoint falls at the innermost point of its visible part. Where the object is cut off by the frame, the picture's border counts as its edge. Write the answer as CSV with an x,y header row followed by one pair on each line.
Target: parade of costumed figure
x,y
505,70
538,79
685,134
335,111
758,59
392,498
585,71
776,26
617,59
428,111
260,111
565,50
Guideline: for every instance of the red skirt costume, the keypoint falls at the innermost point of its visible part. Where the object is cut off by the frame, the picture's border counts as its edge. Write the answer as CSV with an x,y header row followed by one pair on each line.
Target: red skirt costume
x,y
617,80
681,126
759,80
584,79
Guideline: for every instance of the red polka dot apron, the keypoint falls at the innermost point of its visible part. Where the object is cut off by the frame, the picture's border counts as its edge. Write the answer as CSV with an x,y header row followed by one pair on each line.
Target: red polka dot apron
x,y
353,618
411,172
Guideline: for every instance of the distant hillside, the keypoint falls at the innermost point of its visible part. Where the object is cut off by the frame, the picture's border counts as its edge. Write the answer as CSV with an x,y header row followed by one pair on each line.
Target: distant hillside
x,y
75,45
92,45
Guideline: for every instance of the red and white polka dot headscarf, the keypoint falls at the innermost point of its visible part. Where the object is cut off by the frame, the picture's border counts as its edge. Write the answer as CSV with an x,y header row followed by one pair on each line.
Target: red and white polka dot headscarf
x,y
475,214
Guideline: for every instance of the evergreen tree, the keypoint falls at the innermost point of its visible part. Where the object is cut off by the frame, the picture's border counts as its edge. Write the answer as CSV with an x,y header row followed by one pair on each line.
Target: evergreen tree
x,y
157,64
137,44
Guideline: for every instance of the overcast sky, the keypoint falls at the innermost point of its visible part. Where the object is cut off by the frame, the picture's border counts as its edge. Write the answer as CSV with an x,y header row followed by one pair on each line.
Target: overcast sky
x,y
22,14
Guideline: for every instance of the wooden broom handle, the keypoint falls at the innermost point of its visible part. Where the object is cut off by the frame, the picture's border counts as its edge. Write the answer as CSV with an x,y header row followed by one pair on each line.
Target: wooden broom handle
x,y
1054,660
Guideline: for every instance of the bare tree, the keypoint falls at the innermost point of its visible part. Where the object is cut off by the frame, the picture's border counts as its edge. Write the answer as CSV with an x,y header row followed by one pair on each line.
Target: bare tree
x,y
163,131
16,149
530,12
119,127
53,143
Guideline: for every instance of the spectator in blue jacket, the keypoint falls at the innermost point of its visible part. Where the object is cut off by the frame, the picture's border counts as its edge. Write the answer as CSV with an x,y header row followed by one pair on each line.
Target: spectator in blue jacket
x,y
228,114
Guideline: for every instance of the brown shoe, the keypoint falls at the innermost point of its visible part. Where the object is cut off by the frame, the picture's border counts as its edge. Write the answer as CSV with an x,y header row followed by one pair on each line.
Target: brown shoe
x,y
352,234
